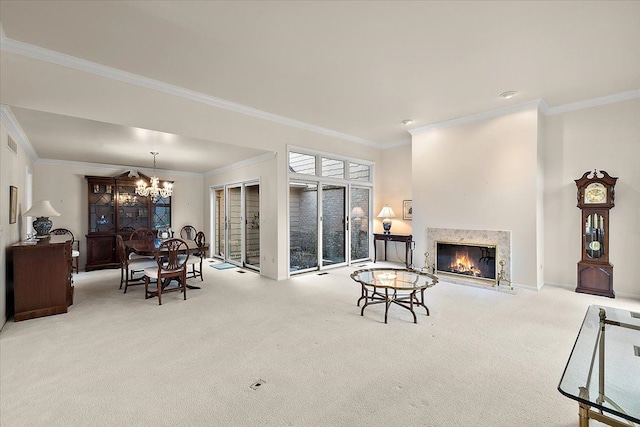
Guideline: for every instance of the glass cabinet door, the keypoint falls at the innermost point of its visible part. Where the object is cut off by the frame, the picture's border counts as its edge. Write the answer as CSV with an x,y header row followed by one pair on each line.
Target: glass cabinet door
x,y
133,210
101,218
161,213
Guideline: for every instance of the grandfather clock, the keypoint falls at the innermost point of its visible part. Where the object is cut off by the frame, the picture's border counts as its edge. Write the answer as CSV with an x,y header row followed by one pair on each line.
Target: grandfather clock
x,y
595,199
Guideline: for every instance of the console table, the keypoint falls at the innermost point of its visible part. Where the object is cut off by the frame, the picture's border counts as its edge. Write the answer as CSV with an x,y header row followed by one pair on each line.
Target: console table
x,y
406,238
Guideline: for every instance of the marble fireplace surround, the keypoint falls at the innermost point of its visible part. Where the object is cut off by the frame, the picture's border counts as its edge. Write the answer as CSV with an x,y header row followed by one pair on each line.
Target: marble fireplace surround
x,y
501,239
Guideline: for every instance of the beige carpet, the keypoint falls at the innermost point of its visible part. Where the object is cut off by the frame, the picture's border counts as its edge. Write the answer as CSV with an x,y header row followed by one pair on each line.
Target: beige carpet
x,y
483,358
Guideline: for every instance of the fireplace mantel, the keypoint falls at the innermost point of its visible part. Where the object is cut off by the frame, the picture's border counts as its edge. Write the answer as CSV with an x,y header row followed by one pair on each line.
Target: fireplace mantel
x,y
501,239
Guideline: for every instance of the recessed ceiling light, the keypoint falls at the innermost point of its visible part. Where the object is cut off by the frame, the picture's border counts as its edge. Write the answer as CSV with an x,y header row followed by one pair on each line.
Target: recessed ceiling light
x,y
407,122
508,94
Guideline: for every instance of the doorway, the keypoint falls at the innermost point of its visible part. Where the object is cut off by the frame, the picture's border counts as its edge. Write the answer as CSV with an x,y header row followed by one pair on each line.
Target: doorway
x,y
237,224
329,225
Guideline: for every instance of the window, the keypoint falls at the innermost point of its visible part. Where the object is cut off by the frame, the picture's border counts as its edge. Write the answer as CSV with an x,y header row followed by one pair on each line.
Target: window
x,y
328,167
302,163
332,168
359,172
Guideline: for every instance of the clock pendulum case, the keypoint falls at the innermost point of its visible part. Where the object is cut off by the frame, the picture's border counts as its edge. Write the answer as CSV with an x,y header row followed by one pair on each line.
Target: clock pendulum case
x,y
595,200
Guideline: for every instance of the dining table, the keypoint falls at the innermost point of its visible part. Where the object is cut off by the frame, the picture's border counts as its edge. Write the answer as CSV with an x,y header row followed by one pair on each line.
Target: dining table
x,y
151,248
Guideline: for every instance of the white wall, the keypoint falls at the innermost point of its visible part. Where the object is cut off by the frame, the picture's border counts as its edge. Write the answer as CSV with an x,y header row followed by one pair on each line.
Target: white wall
x,y
13,171
393,185
605,138
481,176
65,186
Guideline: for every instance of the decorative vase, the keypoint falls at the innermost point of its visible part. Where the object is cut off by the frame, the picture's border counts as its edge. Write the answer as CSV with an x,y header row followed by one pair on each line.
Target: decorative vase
x,y
42,225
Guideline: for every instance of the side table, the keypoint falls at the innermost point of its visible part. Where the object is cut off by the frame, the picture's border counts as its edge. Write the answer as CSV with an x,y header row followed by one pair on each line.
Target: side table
x,y
406,238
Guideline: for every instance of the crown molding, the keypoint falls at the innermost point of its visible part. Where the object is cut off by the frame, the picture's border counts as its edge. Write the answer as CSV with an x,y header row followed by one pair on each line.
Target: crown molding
x,y
397,144
477,117
69,61
17,134
115,168
241,164
595,102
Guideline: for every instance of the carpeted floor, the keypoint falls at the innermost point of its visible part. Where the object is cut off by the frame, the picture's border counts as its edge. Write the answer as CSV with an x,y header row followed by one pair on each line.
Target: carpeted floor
x,y
483,358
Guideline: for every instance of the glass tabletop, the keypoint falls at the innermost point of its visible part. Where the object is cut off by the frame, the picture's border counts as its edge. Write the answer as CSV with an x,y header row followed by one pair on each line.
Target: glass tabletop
x,y
395,278
603,370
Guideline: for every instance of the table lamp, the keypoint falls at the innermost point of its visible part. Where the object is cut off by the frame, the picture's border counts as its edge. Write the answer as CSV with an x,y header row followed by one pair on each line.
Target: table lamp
x,y
42,210
386,213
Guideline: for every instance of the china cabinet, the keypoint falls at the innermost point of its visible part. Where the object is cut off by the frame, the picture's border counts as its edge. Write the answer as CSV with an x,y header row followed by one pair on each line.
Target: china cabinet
x,y
115,208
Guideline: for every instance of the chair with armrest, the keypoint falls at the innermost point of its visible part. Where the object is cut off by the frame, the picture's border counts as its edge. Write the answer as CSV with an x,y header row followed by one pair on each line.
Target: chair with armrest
x,y
188,232
129,265
75,246
170,272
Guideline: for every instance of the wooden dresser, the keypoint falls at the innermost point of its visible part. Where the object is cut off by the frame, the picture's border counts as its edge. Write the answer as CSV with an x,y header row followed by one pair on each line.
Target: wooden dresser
x,y
42,277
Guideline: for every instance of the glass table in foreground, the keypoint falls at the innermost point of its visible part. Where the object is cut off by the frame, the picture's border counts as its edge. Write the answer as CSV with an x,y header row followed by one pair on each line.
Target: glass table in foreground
x,y
399,286
603,370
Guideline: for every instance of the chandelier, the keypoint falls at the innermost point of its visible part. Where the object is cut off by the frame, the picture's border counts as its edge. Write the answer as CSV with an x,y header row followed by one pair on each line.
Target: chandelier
x,y
154,191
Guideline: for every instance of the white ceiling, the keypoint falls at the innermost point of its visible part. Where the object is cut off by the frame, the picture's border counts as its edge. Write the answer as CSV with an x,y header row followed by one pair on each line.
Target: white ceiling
x,y
237,79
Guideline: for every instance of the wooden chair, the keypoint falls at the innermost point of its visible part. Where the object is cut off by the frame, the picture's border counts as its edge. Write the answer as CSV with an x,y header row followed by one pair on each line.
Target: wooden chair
x,y
195,259
129,266
170,272
75,246
141,234
188,232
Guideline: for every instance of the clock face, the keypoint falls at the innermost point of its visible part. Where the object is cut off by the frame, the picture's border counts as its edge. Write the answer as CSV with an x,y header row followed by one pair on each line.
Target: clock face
x,y
595,193
594,246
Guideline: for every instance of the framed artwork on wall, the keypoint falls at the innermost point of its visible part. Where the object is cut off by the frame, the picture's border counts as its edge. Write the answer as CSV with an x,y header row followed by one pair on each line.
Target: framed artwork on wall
x,y
13,204
407,209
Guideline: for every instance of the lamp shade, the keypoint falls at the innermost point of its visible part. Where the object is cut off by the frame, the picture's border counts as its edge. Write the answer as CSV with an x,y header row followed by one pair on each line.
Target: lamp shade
x,y
41,208
386,212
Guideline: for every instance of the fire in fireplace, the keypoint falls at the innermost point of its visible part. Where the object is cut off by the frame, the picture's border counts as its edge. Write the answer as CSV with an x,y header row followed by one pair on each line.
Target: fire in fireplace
x,y
471,260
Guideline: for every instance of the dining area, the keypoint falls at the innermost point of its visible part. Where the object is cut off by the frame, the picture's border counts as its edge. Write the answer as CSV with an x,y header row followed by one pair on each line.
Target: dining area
x,y
161,261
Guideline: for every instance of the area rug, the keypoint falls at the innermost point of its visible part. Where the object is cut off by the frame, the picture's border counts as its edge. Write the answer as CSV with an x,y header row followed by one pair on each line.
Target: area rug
x,y
223,266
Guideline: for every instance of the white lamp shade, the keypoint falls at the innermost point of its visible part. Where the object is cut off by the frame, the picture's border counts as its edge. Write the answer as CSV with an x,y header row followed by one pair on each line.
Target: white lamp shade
x,y
41,208
386,212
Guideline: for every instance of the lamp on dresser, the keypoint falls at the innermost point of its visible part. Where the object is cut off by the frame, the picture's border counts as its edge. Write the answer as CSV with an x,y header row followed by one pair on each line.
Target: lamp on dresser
x,y
42,210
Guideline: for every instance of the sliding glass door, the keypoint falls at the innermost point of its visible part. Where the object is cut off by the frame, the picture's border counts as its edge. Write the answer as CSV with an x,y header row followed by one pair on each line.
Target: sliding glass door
x,y
327,219
303,226
234,224
360,208
220,223
252,225
333,224
237,224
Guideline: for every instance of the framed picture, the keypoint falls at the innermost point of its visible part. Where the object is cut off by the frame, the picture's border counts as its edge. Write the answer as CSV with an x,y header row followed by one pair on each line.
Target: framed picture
x,y
13,204
407,209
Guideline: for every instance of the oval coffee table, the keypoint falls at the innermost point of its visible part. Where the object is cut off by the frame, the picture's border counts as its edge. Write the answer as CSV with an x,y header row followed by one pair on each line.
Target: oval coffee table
x,y
393,286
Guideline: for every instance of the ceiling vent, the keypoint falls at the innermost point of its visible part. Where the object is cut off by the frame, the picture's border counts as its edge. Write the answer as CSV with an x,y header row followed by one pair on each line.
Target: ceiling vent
x,y
12,146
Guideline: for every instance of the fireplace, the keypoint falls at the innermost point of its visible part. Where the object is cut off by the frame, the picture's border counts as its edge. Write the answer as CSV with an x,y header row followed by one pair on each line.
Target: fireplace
x,y
476,261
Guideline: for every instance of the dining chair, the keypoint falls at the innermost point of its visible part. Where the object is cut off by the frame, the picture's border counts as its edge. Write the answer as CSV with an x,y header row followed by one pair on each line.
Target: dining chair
x,y
75,246
188,232
196,258
170,272
130,265
141,234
